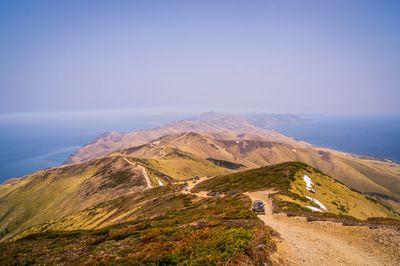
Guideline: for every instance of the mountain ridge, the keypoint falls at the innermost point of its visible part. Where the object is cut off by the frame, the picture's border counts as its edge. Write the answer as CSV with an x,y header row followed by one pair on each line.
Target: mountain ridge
x,y
362,174
216,124
212,222
234,145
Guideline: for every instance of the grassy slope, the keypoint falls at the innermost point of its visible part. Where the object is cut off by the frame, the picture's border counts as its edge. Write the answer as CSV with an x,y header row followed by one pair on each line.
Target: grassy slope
x,y
337,198
287,178
276,176
152,172
110,212
182,166
178,166
164,226
175,228
56,192
363,174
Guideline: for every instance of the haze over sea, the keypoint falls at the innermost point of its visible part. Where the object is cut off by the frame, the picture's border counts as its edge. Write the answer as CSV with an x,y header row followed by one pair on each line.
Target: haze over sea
x,y
32,142
377,137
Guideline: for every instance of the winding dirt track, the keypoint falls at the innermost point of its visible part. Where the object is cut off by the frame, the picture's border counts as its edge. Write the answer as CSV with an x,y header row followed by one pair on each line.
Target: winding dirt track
x,y
146,176
328,243
201,194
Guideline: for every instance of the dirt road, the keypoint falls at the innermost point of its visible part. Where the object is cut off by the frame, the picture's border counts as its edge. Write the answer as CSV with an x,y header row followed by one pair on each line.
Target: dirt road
x,y
328,243
146,176
201,194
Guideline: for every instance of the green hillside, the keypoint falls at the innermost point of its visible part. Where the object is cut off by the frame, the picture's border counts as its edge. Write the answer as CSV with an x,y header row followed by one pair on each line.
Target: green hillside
x,y
166,225
167,228
183,166
292,194
58,192
55,192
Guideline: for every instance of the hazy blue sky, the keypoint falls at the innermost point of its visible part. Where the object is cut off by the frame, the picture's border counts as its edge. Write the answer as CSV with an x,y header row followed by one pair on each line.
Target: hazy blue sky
x,y
331,57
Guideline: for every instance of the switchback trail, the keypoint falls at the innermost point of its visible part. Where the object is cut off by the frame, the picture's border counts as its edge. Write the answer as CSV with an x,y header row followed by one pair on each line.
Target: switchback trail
x,y
328,243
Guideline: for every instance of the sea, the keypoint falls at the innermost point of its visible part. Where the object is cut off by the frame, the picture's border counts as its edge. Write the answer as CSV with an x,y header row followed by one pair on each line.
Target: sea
x,y
30,142
369,136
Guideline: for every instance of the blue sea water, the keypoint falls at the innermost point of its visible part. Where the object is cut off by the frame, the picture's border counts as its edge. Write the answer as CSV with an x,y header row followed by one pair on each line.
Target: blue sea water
x,y
377,137
32,142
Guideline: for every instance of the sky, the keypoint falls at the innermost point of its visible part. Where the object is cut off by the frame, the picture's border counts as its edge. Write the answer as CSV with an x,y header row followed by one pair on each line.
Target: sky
x,y
327,57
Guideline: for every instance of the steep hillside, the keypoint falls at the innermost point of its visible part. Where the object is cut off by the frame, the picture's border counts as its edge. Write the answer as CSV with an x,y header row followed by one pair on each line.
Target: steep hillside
x,y
169,226
177,165
56,192
184,166
362,174
300,189
237,140
158,227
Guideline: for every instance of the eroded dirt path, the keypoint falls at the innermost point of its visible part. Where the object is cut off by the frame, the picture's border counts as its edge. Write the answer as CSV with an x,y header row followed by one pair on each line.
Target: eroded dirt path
x,y
328,243
144,172
201,194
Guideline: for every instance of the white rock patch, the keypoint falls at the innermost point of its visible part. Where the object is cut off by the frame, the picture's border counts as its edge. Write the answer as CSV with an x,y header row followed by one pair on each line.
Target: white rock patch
x,y
309,183
314,209
321,206
159,182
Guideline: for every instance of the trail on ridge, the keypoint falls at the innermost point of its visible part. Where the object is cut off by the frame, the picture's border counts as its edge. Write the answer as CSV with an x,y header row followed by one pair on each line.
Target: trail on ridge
x,y
146,176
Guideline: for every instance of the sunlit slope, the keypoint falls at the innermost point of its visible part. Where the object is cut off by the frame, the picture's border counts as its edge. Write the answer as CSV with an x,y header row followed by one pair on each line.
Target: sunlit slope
x,y
183,156
328,195
215,125
197,145
56,192
237,140
160,226
366,175
147,203
182,166
165,225
323,195
177,165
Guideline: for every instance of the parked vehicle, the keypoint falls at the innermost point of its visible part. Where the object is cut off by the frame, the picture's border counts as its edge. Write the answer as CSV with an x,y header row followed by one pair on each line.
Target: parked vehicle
x,y
214,194
258,207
